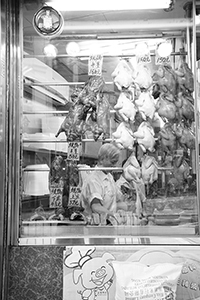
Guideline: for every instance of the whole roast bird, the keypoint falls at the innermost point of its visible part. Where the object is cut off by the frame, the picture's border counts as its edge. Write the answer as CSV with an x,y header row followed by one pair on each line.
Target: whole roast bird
x,y
85,103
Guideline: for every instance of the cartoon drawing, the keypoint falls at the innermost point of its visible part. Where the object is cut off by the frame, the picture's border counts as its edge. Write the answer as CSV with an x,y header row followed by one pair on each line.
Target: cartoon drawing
x,y
94,273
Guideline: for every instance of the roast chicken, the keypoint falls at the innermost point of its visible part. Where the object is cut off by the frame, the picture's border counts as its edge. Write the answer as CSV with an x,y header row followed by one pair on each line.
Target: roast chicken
x,y
146,105
149,169
131,169
132,173
123,136
185,136
185,77
125,108
181,174
143,77
167,138
165,107
166,78
185,106
145,136
122,75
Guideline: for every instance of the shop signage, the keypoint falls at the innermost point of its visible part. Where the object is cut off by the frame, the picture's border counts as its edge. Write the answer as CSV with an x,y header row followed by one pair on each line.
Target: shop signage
x,y
73,151
95,63
56,191
162,60
74,196
48,22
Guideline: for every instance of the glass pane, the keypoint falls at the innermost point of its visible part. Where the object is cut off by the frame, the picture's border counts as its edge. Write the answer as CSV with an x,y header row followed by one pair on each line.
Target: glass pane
x,y
127,83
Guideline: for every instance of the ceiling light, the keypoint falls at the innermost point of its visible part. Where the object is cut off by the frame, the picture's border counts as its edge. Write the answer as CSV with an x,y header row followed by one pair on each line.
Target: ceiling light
x,y
72,49
50,51
164,49
91,5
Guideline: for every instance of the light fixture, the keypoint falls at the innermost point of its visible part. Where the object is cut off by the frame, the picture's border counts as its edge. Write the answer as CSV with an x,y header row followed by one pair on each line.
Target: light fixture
x,y
50,51
164,49
91,5
72,49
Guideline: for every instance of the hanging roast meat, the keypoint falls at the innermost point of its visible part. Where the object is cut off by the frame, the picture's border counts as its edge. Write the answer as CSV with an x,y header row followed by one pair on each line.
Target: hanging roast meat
x,y
146,105
123,136
102,126
122,75
165,107
185,77
185,135
143,77
181,174
185,106
166,78
73,124
167,138
145,136
125,108
83,106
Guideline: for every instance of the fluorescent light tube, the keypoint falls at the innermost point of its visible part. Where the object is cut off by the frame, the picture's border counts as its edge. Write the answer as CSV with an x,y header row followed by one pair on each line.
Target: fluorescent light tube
x,y
91,5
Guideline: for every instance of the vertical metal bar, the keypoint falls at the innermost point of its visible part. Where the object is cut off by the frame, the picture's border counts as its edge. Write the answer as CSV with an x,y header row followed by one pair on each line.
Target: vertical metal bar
x,y
194,67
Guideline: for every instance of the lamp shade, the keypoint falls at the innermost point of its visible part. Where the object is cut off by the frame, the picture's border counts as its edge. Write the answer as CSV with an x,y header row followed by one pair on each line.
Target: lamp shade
x,y
36,180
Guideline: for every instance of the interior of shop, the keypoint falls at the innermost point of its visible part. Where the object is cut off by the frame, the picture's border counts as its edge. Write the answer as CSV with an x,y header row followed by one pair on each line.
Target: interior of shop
x,y
141,63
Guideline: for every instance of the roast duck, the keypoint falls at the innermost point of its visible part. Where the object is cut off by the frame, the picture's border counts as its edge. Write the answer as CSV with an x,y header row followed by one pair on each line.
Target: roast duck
x,y
100,126
84,105
123,136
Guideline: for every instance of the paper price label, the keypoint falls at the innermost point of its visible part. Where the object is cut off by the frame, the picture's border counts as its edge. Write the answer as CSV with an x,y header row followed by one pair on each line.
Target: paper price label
x,y
73,152
143,59
95,63
74,196
56,191
159,60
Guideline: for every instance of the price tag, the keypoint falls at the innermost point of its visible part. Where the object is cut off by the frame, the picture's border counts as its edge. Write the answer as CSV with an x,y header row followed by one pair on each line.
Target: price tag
x,y
95,63
159,60
143,59
73,152
56,192
74,196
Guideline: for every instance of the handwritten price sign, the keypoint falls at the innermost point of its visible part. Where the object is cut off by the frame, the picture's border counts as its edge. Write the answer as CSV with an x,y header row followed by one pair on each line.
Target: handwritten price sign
x,y
143,59
73,152
95,63
159,60
56,191
74,196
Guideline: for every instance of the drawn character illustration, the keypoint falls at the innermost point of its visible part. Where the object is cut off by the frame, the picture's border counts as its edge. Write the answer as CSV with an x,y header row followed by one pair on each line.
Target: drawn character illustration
x,y
94,273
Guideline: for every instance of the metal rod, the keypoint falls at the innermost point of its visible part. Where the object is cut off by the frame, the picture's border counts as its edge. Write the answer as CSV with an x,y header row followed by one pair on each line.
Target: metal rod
x,y
57,112
196,106
58,83
87,56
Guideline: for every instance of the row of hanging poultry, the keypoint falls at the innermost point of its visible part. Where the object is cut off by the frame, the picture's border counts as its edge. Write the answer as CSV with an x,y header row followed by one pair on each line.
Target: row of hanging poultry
x,y
157,113
153,111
